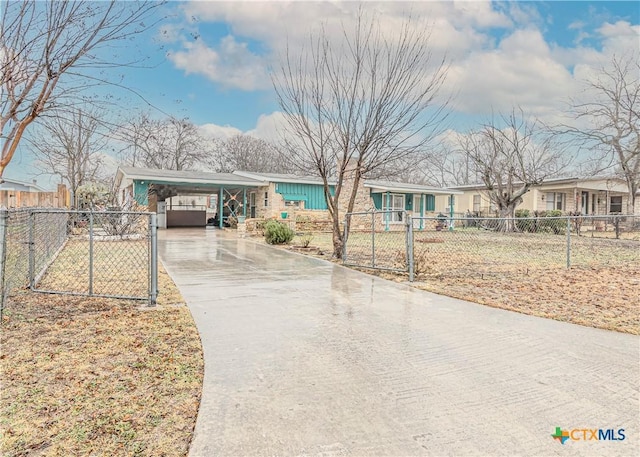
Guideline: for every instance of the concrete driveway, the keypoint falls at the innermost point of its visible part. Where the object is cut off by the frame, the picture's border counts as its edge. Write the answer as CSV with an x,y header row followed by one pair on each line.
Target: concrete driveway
x,y
304,357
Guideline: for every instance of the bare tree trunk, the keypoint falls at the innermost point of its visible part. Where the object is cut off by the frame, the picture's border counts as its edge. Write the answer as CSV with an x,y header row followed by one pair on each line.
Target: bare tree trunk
x,y
371,98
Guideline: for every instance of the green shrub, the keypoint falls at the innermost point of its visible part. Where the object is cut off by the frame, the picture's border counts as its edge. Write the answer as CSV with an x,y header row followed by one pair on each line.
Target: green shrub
x,y
522,213
557,226
277,233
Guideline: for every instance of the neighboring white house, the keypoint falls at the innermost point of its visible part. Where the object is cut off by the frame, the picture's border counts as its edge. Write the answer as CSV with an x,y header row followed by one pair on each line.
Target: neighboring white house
x,y
589,196
22,186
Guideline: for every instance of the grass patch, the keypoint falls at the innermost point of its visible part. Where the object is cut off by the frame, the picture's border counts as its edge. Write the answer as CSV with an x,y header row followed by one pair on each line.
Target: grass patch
x,y
96,376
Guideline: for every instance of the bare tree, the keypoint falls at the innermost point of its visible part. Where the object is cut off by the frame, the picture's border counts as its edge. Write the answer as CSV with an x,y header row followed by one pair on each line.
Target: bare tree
x,y
44,44
354,107
170,144
612,118
512,158
71,146
247,153
447,166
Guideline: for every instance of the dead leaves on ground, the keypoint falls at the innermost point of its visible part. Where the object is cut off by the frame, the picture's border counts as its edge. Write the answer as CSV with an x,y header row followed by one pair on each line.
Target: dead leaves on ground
x,y
94,376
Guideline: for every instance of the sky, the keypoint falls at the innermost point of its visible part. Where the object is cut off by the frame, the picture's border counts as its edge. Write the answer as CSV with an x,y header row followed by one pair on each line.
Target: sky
x,y
210,61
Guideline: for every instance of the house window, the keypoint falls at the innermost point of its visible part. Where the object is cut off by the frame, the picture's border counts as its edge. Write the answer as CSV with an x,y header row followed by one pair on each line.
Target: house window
x,y
451,202
266,199
395,204
476,203
555,200
293,203
615,204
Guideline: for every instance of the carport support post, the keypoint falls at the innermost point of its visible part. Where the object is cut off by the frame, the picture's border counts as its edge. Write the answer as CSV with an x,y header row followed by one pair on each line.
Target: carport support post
x,y
220,205
244,201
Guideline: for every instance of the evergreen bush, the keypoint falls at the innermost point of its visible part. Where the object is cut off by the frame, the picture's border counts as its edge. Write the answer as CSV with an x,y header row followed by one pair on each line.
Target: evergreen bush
x,y
276,232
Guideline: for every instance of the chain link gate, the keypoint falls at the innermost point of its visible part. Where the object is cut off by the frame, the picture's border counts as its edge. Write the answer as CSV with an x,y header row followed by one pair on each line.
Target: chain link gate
x,y
108,254
380,240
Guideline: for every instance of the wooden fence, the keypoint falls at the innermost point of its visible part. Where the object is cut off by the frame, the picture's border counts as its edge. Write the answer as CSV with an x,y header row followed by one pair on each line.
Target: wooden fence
x,y
23,199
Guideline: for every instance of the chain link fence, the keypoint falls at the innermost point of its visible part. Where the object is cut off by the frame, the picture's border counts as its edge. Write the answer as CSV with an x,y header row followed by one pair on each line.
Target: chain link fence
x,y
378,240
106,254
467,247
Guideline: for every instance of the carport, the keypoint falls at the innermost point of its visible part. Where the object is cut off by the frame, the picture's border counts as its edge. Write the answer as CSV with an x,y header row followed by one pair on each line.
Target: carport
x,y
153,188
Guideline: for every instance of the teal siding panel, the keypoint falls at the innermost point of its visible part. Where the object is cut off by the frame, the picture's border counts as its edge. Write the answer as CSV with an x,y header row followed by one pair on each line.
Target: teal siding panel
x,y
430,202
313,193
141,192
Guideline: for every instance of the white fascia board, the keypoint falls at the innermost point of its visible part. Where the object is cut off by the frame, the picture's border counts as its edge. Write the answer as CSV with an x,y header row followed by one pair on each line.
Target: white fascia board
x,y
257,176
198,181
408,190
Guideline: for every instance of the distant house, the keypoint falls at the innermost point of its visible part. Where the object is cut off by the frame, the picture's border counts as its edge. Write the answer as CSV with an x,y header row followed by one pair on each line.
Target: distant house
x,y
587,196
22,186
249,195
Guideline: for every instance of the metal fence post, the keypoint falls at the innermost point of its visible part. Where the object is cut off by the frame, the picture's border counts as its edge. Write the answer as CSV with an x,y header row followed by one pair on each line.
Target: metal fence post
x,y
153,226
91,253
568,241
32,250
410,247
4,217
373,239
344,238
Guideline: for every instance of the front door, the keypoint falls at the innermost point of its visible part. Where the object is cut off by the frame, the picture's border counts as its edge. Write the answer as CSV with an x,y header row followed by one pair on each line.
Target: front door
x,y
252,205
585,203
398,207
417,209
418,212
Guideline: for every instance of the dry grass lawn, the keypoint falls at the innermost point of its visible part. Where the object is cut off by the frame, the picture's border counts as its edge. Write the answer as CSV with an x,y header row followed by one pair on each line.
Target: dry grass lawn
x,y
95,376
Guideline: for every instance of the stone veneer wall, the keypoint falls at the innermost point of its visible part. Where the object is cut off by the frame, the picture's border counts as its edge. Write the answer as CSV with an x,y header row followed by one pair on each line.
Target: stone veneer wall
x,y
303,220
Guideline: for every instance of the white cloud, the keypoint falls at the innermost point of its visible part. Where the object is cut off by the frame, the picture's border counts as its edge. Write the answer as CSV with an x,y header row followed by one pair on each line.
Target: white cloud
x,y
482,14
620,37
269,127
214,131
231,64
489,71
278,25
521,71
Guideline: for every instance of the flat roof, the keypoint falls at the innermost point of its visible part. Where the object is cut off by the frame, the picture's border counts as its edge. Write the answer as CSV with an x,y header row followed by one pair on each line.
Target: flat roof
x,y
284,177
562,180
188,177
